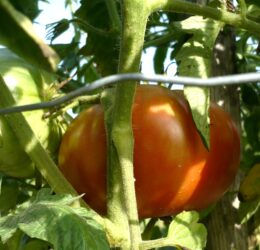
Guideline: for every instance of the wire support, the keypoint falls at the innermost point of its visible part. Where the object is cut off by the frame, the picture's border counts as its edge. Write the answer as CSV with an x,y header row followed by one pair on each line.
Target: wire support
x,y
237,79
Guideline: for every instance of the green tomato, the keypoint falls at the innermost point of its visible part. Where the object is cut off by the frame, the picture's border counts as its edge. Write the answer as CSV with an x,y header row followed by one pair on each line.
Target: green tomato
x,y
28,85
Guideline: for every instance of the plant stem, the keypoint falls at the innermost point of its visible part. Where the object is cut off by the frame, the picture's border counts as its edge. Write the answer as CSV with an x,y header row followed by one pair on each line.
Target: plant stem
x,y
35,150
182,6
113,15
158,243
32,146
160,41
90,28
135,15
243,8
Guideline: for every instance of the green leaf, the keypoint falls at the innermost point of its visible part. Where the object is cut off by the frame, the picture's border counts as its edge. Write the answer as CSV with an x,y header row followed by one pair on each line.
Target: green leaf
x,y
199,102
195,60
253,12
57,28
64,49
88,73
17,33
185,231
255,2
104,47
52,218
159,58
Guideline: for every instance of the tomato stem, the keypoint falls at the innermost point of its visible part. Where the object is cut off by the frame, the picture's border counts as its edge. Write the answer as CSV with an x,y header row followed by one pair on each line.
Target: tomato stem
x,y
181,6
114,15
122,207
34,148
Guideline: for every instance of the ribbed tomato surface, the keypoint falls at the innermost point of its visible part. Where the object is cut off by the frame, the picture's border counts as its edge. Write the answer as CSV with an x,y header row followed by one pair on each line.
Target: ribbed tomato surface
x,y
172,168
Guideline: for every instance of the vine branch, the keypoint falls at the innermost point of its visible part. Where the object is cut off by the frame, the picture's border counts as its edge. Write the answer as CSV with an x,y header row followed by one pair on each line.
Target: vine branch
x,y
243,8
227,17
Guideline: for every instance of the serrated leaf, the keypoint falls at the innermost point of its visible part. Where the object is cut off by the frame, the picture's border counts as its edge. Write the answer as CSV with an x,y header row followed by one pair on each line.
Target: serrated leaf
x,y
45,195
8,226
53,220
195,60
57,28
17,33
185,231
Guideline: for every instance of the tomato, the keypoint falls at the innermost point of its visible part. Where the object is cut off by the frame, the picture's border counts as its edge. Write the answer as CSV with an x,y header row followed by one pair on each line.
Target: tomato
x,y
173,169
28,85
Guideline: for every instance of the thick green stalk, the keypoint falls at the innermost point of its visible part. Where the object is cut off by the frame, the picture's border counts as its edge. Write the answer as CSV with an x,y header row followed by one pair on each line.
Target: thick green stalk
x,y
183,6
243,8
35,150
32,146
40,157
135,15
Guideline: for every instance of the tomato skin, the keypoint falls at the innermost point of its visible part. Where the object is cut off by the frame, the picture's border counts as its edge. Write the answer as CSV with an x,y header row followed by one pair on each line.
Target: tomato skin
x,y
172,168
82,156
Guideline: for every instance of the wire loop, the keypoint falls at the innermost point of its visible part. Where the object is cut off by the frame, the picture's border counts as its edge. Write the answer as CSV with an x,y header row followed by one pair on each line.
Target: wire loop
x,y
126,78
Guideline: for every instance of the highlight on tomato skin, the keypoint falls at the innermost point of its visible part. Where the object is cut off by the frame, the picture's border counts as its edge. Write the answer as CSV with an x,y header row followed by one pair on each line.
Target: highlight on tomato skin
x,y
172,168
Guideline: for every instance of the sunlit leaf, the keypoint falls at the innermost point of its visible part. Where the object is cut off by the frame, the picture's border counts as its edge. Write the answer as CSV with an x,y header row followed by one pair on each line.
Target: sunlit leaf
x,y
185,231
52,218
194,59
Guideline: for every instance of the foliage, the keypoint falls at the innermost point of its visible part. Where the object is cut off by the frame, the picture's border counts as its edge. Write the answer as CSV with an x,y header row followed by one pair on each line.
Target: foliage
x,y
101,38
44,215
28,84
185,231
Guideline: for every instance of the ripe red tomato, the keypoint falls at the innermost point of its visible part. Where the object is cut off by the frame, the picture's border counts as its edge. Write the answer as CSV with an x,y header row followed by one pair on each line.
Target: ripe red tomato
x,y
173,169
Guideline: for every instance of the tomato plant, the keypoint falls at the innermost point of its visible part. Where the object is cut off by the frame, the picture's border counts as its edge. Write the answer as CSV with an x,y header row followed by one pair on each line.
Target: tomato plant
x,y
164,160
28,85
173,169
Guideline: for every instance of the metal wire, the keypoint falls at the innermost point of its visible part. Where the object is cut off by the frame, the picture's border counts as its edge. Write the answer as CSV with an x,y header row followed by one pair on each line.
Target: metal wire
x,y
178,80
